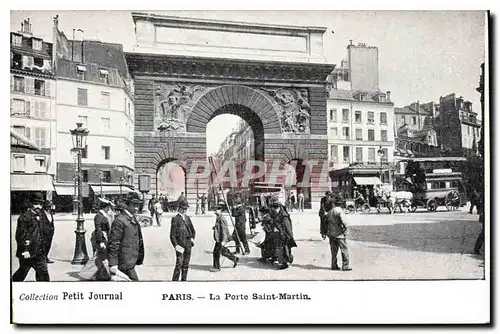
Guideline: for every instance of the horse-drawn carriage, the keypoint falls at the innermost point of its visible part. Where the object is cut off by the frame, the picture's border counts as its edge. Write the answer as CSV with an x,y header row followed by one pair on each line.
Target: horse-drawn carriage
x,y
440,188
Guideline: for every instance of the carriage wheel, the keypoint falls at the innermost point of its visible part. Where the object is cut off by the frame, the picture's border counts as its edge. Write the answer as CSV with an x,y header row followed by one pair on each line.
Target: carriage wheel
x,y
432,205
365,208
350,209
452,200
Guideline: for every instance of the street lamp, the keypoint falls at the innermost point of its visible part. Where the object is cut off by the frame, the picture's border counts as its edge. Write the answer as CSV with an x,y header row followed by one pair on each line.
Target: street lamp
x,y
101,177
74,154
79,137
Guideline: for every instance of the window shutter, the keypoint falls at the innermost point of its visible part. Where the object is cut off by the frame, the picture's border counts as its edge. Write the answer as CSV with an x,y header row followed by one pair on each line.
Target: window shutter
x,y
30,85
43,109
28,108
27,133
11,83
47,88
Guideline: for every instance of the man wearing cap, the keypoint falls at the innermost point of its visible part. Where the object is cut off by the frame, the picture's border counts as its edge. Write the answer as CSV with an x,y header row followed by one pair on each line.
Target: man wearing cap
x,y
323,209
126,246
182,234
32,242
221,237
335,229
240,218
99,237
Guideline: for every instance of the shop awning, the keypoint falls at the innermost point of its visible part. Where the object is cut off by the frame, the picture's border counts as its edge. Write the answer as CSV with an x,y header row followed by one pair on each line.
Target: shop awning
x,y
110,189
367,180
31,182
65,189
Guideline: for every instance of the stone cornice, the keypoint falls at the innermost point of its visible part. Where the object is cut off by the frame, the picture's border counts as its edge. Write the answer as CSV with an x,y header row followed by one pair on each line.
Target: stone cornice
x,y
193,23
222,68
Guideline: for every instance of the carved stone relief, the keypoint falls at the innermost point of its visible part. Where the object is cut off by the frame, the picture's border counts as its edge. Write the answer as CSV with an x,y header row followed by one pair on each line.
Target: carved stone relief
x,y
294,114
173,104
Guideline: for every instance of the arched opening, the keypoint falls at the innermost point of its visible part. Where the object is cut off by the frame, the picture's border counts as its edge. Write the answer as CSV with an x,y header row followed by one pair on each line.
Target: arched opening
x,y
301,183
171,179
234,136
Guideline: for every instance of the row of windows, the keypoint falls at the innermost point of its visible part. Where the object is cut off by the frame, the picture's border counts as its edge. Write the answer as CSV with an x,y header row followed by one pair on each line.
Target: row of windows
x,y
20,164
411,120
358,134
346,154
37,134
81,74
82,100
105,125
37,109
105,152
470,130
29,85
20,62
36,44
358,116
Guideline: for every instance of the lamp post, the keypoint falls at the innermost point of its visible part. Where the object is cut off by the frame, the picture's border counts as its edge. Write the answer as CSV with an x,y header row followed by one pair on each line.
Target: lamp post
x,y
79,136
101,177
144,187
380,153
74,154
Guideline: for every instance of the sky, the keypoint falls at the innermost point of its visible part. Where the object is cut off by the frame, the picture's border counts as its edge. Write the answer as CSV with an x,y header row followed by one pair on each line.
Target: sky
x,y
422,55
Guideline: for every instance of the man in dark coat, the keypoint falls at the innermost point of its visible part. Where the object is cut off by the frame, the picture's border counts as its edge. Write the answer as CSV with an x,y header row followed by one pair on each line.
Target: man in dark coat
x,y
292,202
334,228
474,201
480,238
203,203
323,206
49,228
281,235
32,242
182,234
221,237
99,238
126,246
239,234
154,212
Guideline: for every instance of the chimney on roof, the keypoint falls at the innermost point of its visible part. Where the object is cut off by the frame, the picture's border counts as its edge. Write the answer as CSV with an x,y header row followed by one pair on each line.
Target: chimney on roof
x,y
388,93
26,27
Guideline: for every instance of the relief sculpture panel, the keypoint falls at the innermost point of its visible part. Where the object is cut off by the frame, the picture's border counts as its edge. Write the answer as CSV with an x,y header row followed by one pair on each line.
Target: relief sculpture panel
x,y
294,109
173,104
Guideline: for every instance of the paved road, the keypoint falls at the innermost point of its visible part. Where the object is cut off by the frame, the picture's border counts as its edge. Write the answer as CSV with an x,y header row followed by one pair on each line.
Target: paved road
x,y
418,245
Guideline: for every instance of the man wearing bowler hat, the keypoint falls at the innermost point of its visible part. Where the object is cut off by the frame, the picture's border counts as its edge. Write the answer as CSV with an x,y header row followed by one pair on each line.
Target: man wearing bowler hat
x,y
32,237
126,246
182,234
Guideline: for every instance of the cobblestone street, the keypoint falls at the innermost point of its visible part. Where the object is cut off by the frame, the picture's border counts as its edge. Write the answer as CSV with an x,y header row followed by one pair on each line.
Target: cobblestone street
x,y
418,245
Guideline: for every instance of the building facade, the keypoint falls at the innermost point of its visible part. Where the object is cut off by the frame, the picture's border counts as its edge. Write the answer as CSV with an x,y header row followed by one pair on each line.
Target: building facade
x,y
360,117
359,125
32,114
94,88
458,126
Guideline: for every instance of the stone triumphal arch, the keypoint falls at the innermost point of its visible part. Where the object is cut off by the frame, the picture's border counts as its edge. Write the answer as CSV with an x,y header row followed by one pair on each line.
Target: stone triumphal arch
x,y
188,71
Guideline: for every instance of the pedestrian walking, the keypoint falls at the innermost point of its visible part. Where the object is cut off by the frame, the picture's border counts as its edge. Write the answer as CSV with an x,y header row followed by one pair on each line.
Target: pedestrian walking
x,y
323,206
292,202
182,234
203,203
48,215
281,238
153,208
239,233
99,238
197,212
300,197
221,237
32,242
480,239
474,201
335,229
126,245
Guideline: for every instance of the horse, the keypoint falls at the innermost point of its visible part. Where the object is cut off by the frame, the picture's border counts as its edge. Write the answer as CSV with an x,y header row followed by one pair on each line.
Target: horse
x,y
400,198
